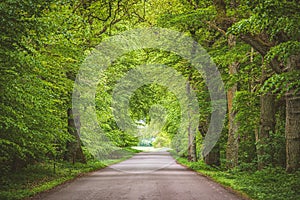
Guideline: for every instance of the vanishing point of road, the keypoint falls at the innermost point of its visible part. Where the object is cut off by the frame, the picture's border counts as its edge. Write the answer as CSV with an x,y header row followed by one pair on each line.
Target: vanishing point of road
x,y
145,176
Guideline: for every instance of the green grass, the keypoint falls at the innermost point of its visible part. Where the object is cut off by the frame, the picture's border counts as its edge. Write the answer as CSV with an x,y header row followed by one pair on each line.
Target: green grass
x,y
41,177
267,184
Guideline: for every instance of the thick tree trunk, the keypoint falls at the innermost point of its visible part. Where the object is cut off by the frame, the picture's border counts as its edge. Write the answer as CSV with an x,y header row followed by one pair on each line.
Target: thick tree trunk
x,y
267,125
292,131
74,151
292,127
232,148
213,157
232,143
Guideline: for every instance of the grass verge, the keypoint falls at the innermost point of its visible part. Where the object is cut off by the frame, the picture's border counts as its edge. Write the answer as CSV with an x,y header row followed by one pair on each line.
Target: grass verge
x,y
42,176
267,184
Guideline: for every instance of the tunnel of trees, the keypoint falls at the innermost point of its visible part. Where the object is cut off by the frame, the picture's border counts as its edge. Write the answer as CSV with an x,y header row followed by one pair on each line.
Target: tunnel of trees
x,y
255,45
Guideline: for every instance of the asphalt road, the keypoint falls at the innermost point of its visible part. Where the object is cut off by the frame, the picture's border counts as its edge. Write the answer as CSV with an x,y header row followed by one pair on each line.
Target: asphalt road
x,y
147,175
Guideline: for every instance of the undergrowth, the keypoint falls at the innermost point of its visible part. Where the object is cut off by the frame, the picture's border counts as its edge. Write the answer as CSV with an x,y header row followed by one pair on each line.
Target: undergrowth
x,y
267,184
43,176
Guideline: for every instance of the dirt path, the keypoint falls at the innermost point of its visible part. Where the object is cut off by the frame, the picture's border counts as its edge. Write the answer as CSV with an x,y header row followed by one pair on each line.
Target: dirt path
x,y
152,175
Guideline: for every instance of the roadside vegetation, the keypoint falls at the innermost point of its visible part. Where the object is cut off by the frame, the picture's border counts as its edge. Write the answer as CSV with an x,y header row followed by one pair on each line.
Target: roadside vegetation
x,y
254,44
267,184
41,177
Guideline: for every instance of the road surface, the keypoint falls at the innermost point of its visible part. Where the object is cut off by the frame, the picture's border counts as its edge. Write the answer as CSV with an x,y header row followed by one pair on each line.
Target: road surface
x,y
146,176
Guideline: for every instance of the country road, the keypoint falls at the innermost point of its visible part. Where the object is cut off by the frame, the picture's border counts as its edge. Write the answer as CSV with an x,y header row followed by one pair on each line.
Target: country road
x,y
147,175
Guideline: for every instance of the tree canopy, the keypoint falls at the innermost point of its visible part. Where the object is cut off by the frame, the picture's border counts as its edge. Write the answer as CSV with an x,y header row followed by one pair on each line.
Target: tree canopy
x,y
255,45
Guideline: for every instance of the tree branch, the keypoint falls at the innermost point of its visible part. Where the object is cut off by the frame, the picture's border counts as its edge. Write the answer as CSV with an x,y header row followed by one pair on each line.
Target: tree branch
x,y
262,47
214,26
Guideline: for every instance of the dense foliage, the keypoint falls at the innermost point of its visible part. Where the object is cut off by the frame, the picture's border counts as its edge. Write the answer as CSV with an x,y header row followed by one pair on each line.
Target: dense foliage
x,y
255,44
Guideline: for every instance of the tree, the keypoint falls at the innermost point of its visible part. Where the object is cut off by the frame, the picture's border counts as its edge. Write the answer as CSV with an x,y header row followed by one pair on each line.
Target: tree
x,y
31,123
233,136
266,126
264,31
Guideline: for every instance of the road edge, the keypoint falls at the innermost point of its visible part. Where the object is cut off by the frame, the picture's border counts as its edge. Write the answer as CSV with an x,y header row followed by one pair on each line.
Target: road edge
x,y
240,194
40,195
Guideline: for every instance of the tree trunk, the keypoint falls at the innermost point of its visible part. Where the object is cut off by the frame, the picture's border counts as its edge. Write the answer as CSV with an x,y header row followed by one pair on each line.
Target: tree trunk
x,y
74,151
232,148
192,154
292,126
267,125
292,131
213,157
232,143
192,151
